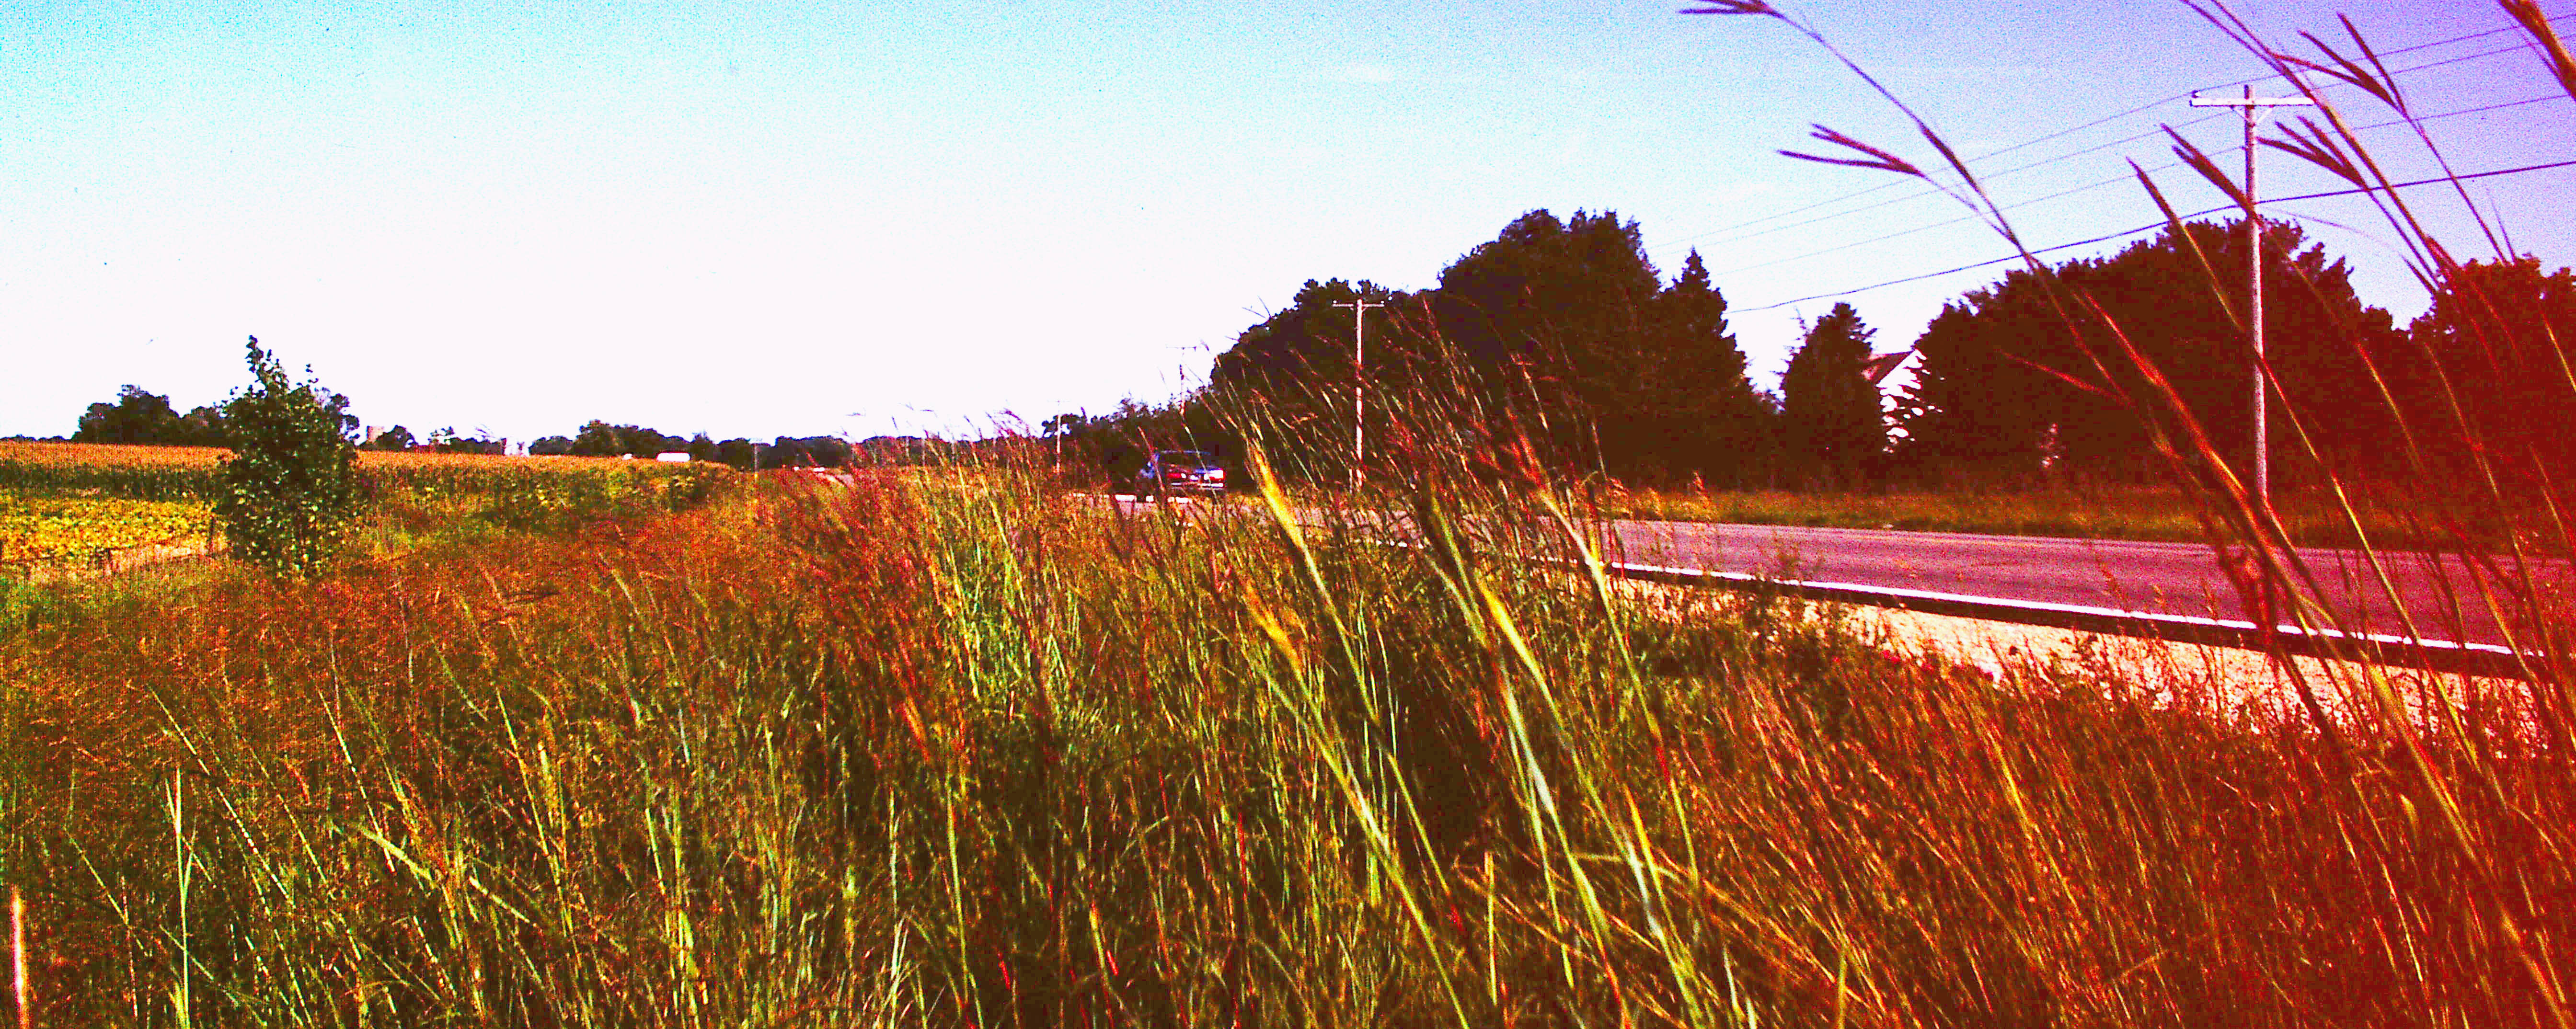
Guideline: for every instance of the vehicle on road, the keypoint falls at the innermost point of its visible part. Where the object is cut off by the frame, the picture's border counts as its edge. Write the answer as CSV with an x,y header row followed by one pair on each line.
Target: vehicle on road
x,y
1168,472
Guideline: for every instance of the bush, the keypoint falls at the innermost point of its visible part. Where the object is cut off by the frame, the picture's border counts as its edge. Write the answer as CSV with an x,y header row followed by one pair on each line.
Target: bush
x,y
289,494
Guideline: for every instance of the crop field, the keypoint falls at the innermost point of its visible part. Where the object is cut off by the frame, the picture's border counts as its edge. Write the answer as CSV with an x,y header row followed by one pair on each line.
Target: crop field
x,y
102,469
68,504
57,528
171,473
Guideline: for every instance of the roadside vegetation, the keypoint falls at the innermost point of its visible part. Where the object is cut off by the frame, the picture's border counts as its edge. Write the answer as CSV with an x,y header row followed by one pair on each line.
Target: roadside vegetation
x,y
970,748
916,752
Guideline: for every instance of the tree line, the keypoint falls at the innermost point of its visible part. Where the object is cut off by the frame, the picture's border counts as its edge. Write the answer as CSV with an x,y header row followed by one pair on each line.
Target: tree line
x,y
1560,325
2093,367
141,417
1563,332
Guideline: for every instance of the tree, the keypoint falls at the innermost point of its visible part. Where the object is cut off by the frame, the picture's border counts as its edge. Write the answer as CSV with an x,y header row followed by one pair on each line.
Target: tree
x,y
702,447
2500,340
289,492
1696,412
551,446
135,418
1295,367
1568,296
742,454
450,441
806,452
1560,329
1555,311
1973,406
1560,326
597,439
203,426
397,438
643,442
1830,409
600,439
2010,368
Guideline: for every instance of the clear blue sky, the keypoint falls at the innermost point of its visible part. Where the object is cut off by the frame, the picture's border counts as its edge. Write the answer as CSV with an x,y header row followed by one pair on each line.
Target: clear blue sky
x,y
754,219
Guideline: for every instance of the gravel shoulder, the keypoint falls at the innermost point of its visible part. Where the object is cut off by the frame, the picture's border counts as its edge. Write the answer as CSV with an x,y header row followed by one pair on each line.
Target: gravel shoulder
x,y
2243,686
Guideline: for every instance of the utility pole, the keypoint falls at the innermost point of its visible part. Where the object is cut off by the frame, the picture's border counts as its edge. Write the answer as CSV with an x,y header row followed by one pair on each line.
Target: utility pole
x,y
1359,381
2255,108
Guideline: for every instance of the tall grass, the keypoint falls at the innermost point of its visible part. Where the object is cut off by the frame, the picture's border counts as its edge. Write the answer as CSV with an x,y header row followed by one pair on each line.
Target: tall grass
x,y
2442,746
967,749
924,753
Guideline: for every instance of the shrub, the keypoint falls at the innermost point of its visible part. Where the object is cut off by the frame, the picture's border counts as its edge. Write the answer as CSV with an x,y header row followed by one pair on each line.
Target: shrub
x,y
289,493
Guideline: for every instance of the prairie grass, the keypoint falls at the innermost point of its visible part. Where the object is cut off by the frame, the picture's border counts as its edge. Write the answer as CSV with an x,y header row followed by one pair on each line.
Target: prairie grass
x,y
899,752
905,753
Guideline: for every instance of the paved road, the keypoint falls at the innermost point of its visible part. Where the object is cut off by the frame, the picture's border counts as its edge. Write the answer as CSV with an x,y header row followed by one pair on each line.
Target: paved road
x,y
2161,578
2164,578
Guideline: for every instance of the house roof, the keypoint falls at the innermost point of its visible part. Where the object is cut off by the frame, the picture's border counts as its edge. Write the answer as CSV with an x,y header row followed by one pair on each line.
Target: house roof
x,y
1878,368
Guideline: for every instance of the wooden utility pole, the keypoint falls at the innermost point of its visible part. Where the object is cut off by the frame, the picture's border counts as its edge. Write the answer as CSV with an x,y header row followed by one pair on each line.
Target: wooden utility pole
x,y
18,957
2255,108
1359,381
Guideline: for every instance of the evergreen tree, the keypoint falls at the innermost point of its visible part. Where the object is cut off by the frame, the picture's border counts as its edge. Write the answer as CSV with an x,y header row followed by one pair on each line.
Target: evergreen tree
x,y
1831,409
1696,412
1975,404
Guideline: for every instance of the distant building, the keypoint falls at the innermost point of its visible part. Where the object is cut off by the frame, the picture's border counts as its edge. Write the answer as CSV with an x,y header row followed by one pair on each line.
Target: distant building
x,y
1880,367
673,456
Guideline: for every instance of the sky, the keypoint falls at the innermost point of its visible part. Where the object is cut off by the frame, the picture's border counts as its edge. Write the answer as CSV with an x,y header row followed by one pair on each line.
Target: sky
x,y
756,219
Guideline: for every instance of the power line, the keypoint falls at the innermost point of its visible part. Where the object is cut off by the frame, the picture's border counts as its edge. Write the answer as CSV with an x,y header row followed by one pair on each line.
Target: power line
x,y
1992,176
2148,106
2152,225
1928,192
2017,205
